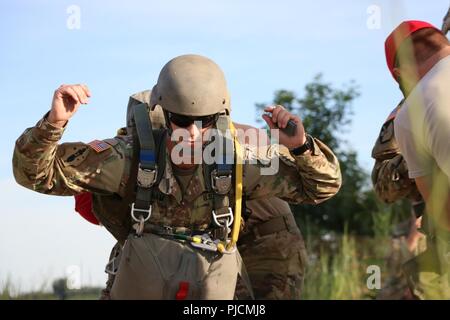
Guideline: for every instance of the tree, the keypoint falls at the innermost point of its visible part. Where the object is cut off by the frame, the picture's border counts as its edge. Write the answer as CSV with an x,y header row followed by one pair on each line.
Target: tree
x,y
326,114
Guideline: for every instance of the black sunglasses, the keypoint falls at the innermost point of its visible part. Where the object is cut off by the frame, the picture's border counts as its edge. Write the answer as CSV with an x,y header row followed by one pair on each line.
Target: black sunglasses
x,y
186,121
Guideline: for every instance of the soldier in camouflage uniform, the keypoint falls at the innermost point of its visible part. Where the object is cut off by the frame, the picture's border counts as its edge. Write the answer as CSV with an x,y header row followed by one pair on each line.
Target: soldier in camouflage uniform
x,y
271,244
391,183
189,88
273,251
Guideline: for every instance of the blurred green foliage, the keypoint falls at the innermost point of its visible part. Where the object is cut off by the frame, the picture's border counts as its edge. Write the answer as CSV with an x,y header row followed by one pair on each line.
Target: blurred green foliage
x,y
326,113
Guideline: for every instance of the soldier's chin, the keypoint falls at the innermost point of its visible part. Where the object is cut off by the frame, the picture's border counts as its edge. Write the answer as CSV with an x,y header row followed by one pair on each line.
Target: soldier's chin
x,y
192,159
189,162
186,145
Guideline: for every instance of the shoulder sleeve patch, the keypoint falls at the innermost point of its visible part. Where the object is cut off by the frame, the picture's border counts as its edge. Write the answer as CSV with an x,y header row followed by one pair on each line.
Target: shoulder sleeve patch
x,y
99,145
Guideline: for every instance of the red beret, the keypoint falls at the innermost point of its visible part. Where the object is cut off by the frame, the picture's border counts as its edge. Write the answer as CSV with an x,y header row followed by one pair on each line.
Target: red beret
x,y
396,38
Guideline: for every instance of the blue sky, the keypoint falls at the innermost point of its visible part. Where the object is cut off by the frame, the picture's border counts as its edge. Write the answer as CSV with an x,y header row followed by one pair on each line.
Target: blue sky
x,y
119,49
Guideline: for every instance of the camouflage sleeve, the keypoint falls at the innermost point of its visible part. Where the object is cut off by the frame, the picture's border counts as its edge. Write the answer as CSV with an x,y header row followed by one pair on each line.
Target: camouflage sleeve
x,y
43,165
390,173
272,171
390,179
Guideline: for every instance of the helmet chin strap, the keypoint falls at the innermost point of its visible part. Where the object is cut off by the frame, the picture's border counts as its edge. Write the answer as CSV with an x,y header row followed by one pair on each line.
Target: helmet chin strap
x,y
168,126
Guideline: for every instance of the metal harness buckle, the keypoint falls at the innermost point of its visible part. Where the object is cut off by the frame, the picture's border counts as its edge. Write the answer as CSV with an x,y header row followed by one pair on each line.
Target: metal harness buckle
x,y
139,226
146,177
133,210
220,184
228,217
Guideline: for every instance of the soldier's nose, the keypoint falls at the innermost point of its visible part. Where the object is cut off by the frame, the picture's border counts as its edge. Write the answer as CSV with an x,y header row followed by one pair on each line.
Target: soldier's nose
x,y
194,132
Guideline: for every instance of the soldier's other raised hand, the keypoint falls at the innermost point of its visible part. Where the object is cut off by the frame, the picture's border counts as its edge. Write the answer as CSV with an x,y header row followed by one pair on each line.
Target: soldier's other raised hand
x,y
66,101
279,119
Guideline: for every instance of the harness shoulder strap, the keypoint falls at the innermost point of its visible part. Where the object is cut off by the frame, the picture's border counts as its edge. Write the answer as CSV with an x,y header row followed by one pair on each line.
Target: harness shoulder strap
x,y
159,136
219,180
146,142
148,172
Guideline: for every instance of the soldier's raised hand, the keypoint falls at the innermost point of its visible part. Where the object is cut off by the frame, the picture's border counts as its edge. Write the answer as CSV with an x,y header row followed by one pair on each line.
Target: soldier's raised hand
x,y
279,119
66,101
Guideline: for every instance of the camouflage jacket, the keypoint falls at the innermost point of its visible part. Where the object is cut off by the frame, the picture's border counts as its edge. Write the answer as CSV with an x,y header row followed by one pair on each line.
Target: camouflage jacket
x,y
390,173
104,167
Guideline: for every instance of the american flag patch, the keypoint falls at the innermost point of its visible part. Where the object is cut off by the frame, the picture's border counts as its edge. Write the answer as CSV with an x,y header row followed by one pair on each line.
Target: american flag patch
x,y
99,145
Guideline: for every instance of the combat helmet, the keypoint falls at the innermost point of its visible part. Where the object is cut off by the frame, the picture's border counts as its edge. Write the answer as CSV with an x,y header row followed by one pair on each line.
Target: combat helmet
x,y
191,85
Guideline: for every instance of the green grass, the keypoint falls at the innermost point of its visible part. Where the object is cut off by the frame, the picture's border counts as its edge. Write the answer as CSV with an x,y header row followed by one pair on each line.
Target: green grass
x,y
338,262
337,270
